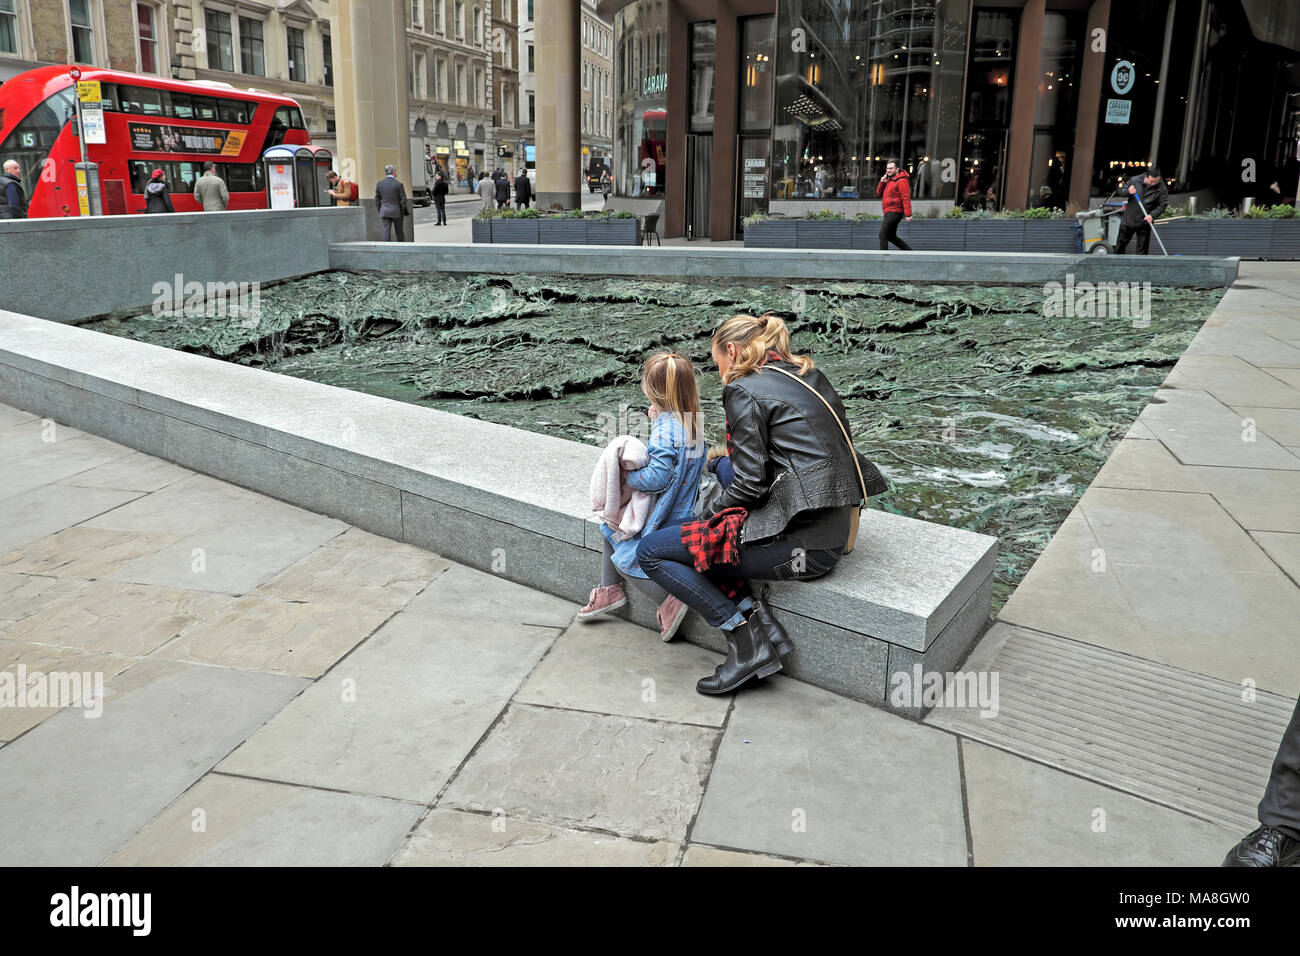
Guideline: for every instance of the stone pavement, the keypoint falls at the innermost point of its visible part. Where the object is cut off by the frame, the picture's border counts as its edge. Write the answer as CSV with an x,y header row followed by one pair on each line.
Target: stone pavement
x,y
281,688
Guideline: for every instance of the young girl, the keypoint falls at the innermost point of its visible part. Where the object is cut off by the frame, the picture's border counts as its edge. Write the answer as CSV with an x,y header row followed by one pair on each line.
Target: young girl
x,y
677,456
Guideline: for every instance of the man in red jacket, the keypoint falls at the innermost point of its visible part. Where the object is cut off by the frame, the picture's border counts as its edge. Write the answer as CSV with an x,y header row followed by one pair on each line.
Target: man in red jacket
x,y
896,203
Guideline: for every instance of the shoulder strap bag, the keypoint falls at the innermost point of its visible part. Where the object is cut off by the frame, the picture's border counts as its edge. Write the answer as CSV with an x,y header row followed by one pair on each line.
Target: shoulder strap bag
x,y
855,516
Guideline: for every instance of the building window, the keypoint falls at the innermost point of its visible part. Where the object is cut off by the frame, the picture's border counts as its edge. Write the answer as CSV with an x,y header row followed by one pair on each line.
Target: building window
x,y
297,55
480,89
418,82
146,37
83,31
327,53
530,59
460,83
459,21
532,109
417,14
478,26
8,27
440,80
220,45
252,54
437,15
530,11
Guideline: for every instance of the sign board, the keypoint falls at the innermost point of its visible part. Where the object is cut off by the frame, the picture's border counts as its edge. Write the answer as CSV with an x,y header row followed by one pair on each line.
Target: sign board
x,y
75,73
83,193
1123,77
92,121
754,184
1117,111
459,144
165,138
88,91
279,186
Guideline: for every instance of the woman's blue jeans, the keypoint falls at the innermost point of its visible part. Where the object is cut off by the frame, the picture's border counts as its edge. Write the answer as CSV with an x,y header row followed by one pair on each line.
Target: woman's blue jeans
x,y
669,563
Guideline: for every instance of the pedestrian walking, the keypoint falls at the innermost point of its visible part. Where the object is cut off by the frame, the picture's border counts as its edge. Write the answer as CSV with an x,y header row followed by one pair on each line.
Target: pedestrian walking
x,y
390,197
895,202
157,197
13,201
503,188
1277,841
606,183
342,192
523,190
210,190
440,190
1150,188
487,191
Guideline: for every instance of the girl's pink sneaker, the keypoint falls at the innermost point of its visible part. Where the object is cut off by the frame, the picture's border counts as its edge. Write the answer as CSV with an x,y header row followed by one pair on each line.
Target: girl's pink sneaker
x,y
671,614
602,601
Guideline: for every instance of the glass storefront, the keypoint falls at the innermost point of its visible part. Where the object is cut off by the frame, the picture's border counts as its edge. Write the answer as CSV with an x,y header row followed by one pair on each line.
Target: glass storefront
x,y
861,82
641,64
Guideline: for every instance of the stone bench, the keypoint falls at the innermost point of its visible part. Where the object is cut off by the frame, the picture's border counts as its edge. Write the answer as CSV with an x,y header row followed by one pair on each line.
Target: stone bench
x,y
496,498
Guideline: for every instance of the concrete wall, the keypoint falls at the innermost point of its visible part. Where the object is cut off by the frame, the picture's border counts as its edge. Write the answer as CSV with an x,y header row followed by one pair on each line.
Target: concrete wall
x,y
733,262
496,498
68,269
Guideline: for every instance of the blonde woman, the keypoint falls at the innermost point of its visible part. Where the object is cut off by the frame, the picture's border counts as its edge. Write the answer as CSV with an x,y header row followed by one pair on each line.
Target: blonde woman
x,y
677,457
787,510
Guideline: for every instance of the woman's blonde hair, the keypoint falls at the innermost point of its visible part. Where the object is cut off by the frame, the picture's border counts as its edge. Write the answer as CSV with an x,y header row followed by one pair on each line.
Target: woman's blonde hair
x,y
668,380
754,337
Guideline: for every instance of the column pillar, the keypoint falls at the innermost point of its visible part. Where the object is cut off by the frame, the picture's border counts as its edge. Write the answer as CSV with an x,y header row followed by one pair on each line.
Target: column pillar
x,y
1024,103
558,95
371,100
1091,79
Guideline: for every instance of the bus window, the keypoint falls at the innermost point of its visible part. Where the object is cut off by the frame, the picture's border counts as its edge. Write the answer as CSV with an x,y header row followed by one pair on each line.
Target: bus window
x,y
242,177
182,106
205,108
141,99
189,174
234,111
109,93
29,142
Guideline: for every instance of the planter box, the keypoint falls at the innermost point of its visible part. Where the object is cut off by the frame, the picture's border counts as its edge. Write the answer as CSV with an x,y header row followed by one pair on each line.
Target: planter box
x,y
1286,239
1248,239
995,235
866,234
823,234
561,232
934,235
771,234
1053,235
482,230
517,231
616,232
1182,237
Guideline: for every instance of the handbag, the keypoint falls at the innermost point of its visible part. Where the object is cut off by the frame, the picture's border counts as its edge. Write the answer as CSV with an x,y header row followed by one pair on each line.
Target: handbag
x,y
855,516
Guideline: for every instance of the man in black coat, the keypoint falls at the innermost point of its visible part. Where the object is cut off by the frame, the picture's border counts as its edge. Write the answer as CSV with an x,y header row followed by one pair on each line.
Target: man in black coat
x,y
503,188
440,190
1155,196
523,190
390,197
13,201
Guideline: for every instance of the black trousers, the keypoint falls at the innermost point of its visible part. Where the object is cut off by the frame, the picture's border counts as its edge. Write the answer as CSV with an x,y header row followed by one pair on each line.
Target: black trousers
x,y
889,231
391,226
521,203
1280,807
1126,232
440,204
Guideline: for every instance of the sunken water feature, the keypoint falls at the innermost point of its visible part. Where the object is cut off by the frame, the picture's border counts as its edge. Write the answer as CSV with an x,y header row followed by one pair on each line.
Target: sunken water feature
x,y
985,413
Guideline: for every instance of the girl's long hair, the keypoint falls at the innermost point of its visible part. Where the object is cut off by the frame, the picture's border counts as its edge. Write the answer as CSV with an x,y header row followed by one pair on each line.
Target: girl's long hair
x,y
754,337
668,380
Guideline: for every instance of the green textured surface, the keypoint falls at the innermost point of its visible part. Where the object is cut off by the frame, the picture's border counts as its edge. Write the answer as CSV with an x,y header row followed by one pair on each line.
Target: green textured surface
x,y
984,413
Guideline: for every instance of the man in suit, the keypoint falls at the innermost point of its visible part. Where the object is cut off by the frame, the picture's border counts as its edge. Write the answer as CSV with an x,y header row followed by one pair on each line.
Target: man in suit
x,y
523,189
390,197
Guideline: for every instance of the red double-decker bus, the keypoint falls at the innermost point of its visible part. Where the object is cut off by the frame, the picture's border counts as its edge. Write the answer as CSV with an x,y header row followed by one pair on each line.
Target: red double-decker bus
x,y
151,123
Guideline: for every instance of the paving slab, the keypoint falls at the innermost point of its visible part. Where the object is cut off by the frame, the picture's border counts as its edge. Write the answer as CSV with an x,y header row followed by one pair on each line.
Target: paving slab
x,y
1233,380
133,472
231,821
164,725
190,504
611,666
1025,814
456,838
402,712
284,637
1284,549
1259,499
1148,465
620,774
82,552
1200,430
1248,342
32,515
463,592
1280,424
358,569
804,773
1288,376
128,619
700,855
10,416
40,659
22,595
1158,528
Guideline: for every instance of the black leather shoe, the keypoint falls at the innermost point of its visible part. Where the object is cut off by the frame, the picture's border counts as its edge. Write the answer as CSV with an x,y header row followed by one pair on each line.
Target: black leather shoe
x,y
749,654
766,622
1265,847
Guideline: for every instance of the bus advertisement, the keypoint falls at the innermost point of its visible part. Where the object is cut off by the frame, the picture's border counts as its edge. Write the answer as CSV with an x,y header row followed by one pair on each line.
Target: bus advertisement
x,y
149,123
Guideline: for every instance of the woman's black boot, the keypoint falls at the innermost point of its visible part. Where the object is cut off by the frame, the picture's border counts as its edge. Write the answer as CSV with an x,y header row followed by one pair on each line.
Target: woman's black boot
x,y
765,621
749,654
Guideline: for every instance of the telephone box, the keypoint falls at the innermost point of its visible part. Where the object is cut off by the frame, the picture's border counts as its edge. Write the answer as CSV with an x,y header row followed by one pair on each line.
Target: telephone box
x,y
295,176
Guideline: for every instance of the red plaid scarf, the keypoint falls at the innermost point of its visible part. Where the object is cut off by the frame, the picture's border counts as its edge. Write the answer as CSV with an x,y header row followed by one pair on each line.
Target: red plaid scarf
x,y
715,541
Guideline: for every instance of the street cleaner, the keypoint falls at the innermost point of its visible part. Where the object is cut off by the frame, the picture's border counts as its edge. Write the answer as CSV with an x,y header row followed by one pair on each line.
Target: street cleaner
x,y
1147,198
